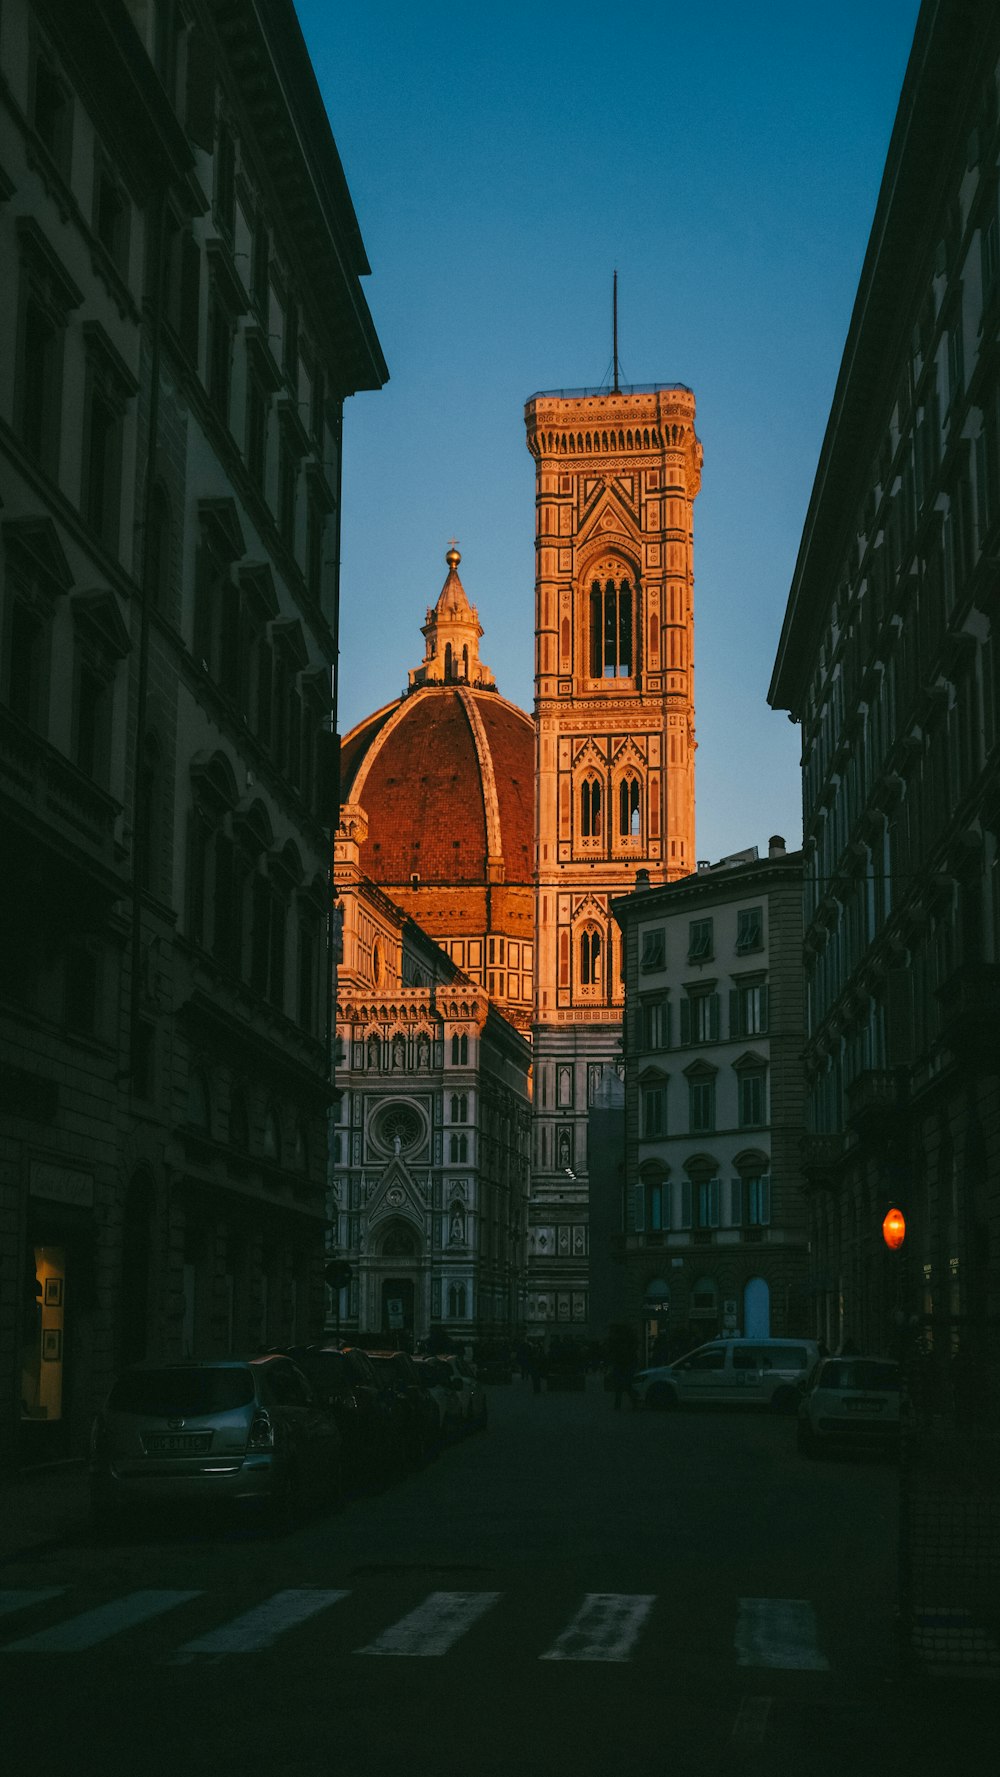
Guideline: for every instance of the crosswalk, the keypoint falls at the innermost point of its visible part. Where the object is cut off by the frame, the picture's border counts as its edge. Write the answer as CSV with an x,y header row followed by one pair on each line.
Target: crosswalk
x,y
602,1628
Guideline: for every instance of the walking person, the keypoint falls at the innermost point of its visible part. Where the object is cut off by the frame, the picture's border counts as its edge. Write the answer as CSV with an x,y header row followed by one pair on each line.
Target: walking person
x,y
621,1359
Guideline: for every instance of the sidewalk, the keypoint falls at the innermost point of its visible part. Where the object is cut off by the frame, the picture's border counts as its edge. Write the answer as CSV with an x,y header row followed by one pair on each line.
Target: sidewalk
x,y
41,1506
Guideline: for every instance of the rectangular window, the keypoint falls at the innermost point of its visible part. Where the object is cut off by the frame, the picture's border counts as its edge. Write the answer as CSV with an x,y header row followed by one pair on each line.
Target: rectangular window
x,y
39,383
654,1111
92,698
256,445
656,1024
111,215
102,471
700,1018
51,115
220,355
225,181
699,940
707,1201
288,481
757,1202
260,267
25,665
701,1106
751,1101
654,949
749,928
751,1007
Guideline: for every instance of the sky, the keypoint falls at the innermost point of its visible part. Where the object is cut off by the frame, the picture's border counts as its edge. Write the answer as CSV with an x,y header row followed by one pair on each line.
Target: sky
x,y
503,162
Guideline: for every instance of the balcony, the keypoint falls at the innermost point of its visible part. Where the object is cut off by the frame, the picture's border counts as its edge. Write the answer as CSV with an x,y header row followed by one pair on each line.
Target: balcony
x,y
821,1155
875,1102
968,1001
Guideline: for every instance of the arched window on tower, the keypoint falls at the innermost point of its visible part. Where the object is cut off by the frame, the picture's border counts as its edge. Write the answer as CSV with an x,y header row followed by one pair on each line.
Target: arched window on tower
x,y
629,808
465,662
610,629
590,809
590,957
449,669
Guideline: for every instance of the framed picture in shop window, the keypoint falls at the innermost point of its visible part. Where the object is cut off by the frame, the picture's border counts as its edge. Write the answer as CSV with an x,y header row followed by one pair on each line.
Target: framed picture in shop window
x,y
51,1345
53,1292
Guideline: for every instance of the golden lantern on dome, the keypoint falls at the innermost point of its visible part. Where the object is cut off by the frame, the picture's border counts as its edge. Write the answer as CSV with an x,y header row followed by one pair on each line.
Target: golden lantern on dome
x,y
894,1229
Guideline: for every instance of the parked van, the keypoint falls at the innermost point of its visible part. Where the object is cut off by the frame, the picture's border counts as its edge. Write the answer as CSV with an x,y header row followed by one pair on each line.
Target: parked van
x,y
732,1373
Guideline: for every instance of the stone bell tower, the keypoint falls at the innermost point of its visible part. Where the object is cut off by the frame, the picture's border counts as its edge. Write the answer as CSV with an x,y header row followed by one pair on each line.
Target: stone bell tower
x,y
616,475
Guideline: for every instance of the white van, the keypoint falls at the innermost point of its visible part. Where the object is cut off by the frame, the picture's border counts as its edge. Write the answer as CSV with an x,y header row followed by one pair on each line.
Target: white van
x,y
732,1373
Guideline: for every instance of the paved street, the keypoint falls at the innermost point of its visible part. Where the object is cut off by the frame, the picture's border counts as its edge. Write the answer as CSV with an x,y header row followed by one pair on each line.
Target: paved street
x,y
575,1591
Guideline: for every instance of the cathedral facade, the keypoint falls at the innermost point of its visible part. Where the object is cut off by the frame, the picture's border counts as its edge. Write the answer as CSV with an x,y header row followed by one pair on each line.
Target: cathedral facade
x,y
616,476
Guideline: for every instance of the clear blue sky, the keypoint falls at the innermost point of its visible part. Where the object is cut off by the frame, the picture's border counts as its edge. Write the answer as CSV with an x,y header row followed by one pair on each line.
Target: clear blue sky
x,y
503,160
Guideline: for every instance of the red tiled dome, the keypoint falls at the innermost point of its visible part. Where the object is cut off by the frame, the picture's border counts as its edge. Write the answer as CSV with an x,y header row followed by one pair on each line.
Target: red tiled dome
x,y
446,779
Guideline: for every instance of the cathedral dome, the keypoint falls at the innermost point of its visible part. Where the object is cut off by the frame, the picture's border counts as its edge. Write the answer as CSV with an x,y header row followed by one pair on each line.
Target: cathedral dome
x,y
446,779
443,779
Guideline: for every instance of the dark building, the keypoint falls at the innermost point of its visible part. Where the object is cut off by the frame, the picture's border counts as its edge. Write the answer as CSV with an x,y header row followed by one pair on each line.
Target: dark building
x,y
185,318
711,1236
889,659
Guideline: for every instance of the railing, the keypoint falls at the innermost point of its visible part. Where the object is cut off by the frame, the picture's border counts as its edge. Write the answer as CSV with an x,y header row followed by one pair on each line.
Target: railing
x,y
605,389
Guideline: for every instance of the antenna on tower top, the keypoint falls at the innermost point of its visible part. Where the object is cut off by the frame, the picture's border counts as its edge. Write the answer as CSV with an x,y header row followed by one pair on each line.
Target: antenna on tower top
x,y
614,327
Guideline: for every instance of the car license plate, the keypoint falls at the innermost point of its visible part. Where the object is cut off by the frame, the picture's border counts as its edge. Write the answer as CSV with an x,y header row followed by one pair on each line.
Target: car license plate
x,y
868,1407
178,1443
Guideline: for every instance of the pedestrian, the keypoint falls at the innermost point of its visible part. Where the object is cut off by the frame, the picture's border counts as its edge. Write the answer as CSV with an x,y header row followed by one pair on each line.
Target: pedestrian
x,y
621,1349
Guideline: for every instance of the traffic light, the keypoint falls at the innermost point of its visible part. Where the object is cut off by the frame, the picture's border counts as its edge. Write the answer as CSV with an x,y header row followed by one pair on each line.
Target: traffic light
x,y
337,1273
894,1229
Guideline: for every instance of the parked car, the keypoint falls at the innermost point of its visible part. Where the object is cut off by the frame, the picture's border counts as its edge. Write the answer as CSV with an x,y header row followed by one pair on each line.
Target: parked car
x,y
418,1414
439,1383
731,1373
471,1393
342,1378
245,1433
850,1402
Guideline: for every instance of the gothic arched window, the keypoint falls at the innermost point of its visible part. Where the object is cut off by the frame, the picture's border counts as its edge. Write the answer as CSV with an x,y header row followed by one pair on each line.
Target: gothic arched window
x,y
590,957
629,808
590,809
610,629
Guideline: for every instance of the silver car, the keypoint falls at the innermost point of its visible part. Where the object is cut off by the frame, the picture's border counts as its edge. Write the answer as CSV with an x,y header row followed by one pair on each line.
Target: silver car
x,y
850,1402
239,1432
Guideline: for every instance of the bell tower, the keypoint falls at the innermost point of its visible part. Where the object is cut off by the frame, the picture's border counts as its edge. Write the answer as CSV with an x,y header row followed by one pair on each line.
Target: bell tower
x,y
616,476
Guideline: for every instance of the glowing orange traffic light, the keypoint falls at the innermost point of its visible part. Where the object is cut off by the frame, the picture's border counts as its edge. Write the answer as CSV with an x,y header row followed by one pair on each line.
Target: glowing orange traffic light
x,y
894,1229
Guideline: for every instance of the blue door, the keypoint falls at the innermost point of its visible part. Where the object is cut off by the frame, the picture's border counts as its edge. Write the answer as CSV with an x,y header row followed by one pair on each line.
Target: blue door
x,y
756,1309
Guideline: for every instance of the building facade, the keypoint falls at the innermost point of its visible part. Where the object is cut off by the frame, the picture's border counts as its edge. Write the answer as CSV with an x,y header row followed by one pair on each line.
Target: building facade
x,y
712,1235
184,265
616,476
889,660
429,1150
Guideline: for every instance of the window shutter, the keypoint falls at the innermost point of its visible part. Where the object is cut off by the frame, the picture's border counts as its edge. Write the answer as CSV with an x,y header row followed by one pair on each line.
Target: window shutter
x,y
685,1021
190,297
713,1017
734,1013
667,1014
685,1203
639,1210
763,1008
713,1203
765,1201
736,1202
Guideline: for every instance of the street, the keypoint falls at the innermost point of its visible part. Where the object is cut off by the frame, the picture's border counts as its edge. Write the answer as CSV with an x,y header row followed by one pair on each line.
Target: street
x,y
574,1591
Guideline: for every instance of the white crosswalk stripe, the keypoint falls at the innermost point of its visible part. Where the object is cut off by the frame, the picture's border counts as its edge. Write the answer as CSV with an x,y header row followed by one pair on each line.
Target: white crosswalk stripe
x,y
779,1632
261,1627
95,1626
434,1626
606,1627
22,1598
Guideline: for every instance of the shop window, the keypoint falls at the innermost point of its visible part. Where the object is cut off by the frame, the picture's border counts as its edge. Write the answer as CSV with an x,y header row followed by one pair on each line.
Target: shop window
x,y
43,1332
